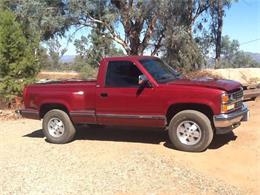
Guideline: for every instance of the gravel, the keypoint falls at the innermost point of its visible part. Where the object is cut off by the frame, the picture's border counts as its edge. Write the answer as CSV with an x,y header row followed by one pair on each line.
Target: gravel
x,y
8,115
30,165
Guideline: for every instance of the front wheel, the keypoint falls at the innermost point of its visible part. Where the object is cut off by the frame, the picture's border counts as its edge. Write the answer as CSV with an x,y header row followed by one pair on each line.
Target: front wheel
x,y
191,131
57,127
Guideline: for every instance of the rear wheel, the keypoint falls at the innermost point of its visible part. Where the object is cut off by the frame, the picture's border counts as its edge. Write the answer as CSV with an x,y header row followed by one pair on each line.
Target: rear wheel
x,y
57,127
190,130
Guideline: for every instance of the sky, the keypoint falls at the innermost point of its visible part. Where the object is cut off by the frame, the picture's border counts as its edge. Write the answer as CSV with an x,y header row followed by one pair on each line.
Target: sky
x,y
241,22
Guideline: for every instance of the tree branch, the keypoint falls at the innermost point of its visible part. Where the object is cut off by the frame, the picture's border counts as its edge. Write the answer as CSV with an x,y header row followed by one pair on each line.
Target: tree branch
x,y
110,29
158,44
148,33
199,11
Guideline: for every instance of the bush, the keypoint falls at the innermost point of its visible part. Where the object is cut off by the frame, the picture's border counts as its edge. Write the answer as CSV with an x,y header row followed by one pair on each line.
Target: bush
x,y
82,66
18,60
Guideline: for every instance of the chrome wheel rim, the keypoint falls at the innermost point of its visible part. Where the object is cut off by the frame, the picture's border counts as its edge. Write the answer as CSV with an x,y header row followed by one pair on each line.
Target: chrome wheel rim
x,y
189,133
56,127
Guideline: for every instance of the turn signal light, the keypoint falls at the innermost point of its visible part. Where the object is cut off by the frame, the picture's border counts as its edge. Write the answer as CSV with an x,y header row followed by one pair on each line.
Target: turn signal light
x,y
225,98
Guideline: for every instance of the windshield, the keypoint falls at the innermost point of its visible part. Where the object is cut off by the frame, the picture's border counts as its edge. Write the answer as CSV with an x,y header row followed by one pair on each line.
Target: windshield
x,y
160,71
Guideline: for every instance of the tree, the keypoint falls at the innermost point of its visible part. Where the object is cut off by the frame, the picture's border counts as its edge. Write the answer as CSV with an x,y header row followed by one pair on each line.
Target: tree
x,y
55,51
217,13
179,47
138,26
90,52
137,18
233,57
100,47
191,11
18,60
182,52
142,22
44,17
229,48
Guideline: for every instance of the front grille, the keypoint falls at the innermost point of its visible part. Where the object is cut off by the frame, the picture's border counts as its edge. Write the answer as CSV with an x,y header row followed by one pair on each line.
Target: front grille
x,y
237,97
238,104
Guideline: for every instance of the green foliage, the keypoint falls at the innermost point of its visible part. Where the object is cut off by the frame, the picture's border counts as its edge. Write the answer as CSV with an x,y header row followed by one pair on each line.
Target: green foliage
x,y
232,57
46,17
100,47
182,52
18,60
81,65
185,32
55,51
90,52
229,48
44,58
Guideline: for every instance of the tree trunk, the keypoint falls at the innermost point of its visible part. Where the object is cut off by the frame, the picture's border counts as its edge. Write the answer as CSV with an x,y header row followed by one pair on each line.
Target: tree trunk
x,y
134,45
190,18
219,31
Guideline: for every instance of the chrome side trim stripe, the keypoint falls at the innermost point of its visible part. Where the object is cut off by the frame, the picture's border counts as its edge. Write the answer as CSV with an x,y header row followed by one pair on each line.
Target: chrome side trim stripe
x,y
89,113
130,116
29,112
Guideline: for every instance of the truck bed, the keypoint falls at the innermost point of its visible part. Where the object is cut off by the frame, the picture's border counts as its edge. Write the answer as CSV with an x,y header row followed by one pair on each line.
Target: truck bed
x,y
75,95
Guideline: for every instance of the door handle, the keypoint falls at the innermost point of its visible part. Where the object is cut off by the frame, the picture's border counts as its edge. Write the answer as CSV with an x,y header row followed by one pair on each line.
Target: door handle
x,y
103,94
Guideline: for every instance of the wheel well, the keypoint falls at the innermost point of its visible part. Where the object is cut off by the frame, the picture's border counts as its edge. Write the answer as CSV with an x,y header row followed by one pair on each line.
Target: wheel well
x,y
174,109
47,107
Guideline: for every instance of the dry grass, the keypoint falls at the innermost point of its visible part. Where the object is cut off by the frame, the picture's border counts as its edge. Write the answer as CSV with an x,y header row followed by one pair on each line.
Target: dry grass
x,y
246,76
58,75
201,73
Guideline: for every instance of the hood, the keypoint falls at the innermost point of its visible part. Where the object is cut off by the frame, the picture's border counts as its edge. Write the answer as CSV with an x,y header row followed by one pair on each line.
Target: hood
x,y
223,84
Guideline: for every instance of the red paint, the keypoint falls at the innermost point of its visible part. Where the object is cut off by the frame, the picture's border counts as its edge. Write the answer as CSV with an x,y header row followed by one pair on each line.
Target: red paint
x,y
84,97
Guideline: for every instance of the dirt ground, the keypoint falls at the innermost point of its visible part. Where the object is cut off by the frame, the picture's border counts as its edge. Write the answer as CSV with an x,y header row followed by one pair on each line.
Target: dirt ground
x,y
127,161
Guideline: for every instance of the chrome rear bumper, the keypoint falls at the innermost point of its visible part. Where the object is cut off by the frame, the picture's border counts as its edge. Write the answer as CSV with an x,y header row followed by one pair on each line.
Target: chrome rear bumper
x,y
231,119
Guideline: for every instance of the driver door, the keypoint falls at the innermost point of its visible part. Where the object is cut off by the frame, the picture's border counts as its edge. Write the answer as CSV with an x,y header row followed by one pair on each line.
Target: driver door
x,y
122,101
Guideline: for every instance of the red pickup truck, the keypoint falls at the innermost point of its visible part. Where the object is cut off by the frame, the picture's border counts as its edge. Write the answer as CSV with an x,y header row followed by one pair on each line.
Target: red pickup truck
x,y
139,91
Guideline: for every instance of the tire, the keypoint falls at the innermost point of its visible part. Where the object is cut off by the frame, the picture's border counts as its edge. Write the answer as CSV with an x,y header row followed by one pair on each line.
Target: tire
x,y
57,127
190,131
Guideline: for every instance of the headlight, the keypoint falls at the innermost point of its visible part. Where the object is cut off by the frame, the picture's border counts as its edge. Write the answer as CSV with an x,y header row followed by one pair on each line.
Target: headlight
x,y
227,107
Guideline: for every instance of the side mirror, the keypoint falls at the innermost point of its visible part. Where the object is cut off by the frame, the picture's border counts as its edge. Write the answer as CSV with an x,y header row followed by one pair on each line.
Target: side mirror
x,y
142,79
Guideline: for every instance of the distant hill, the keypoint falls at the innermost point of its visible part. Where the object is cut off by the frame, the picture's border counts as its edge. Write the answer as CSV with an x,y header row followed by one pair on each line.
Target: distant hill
x,y
67,58
255,56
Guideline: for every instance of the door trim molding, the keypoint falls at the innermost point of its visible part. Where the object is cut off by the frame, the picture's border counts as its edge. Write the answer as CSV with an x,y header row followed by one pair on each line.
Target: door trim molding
x,y
91,113
81,113
132,116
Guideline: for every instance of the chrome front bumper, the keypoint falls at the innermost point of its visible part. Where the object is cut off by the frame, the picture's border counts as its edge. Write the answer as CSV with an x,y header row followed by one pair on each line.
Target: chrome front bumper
x,y
231,119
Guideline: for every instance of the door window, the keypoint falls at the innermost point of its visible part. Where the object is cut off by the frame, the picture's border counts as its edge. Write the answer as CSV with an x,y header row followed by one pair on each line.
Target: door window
x,y
122,74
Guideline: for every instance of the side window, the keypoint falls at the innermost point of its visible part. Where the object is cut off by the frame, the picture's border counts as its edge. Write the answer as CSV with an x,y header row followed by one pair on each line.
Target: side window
x,y
122,74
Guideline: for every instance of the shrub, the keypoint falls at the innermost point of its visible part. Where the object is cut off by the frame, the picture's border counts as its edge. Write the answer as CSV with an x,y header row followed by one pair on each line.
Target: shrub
x,y
18,57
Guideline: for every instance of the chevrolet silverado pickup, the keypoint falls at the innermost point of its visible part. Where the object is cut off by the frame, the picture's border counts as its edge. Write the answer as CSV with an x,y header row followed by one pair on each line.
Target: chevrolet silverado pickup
x,y
138,91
